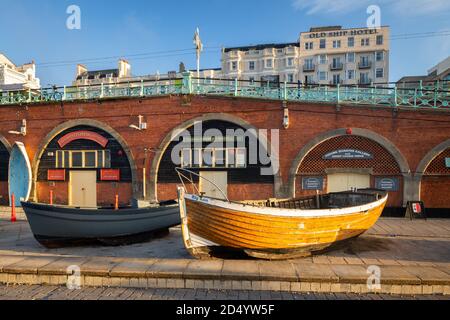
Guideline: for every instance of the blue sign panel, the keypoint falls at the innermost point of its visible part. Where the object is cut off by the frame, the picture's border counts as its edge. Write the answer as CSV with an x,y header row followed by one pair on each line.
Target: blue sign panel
x,y
312,183
447,162
351,154
387,183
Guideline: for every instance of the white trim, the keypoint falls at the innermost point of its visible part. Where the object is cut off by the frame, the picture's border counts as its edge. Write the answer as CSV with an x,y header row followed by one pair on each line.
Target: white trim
x,y
286,212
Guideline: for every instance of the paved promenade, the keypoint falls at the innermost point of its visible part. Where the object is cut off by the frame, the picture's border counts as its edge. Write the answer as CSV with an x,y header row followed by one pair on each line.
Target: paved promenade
x,y
37,292
413,258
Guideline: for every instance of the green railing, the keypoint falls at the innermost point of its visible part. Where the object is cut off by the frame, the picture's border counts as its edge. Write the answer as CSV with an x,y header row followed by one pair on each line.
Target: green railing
x,y
428,97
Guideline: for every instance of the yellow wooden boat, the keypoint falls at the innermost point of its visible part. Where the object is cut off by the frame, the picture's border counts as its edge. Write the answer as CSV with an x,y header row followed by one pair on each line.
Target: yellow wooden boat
x,y
277,229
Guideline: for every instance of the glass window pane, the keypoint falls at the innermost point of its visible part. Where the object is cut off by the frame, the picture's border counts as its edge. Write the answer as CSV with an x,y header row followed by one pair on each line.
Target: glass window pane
x,y
196,160
186,158
100,159
208,158
107,159
77,159
66,163
231,154
220,157
89,159
241,158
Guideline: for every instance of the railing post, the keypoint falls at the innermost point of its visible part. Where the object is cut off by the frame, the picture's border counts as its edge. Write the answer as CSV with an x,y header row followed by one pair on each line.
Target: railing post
x,y
187,83
436,94
102,90
285,90
338,88
395,96
64,97
29,94
142,87
236,87
421,87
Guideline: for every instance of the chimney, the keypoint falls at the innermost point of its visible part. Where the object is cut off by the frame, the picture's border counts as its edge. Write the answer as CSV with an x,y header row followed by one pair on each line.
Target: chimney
x,y
124,68
81,69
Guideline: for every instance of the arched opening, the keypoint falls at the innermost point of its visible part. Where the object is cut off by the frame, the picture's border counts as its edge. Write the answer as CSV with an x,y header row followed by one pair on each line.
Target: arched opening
x,y
434,174
84,163
5,149
219,153
337,161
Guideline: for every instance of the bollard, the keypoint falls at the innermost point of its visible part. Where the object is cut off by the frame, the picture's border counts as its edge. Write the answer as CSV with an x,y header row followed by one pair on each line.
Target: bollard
x,y
13,208
51,197
116,206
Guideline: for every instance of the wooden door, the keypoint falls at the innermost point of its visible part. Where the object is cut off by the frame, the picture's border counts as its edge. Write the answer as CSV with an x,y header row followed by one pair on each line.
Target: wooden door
x,y
83,189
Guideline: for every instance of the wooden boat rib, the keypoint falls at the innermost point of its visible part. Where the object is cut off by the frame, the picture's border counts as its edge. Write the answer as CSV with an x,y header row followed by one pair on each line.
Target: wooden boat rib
x,y
277,229
57,226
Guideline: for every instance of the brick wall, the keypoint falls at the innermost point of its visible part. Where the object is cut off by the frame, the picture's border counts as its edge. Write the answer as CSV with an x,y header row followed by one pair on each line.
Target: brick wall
x,y
414,133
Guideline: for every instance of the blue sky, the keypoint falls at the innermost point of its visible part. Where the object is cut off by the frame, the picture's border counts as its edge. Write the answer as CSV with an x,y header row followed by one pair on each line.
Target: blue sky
x,y
36,29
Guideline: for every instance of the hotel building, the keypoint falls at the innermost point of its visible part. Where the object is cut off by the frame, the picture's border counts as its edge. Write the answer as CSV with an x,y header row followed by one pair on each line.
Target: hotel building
x,y
13,77
327,55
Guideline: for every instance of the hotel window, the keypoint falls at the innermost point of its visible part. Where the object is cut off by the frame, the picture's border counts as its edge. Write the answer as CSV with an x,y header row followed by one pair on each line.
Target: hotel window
x,y
365,42
269,63
323,76
290,77
379,73
351,57
290,62
365,61
309,65
251,80
309,45
251,65
323,44
309,80
351,74
336,79
83,159
336,62
323,59
280,50
214,158
364,78
351,42
336,44
380,40
380,55
234,65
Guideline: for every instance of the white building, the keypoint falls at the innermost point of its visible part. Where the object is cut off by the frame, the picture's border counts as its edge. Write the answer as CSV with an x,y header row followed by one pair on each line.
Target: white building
x,y
13,77
327,55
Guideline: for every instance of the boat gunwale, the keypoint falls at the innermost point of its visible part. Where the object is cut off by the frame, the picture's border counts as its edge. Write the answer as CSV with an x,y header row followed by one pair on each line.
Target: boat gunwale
x,y
286,212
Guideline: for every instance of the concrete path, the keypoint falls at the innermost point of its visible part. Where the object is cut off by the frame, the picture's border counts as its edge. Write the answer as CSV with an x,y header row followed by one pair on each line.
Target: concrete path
x,y
412,257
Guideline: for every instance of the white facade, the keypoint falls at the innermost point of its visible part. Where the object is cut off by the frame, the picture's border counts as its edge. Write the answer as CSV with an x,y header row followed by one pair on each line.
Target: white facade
x,y
329,55
17,77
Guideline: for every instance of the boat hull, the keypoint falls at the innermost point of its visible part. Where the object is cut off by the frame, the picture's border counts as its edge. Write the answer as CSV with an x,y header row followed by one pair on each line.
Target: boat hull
x,y
56,226
19,174
270,233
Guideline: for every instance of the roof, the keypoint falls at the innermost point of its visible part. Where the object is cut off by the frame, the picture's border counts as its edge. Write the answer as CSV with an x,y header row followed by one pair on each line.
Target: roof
x,y
327,28
263,46
99,73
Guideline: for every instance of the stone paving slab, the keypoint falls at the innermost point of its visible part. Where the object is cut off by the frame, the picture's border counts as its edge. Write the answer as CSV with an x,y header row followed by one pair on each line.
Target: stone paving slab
x,y
60,265
99,266
240,270
315,273
203,269
167,269
29,265
132,268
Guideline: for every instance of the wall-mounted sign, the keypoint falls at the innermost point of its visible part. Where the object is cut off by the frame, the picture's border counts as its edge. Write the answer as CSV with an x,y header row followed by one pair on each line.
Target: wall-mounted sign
x,y
447,162
342,33
387,183
312,183
110,175
82,135
347,154
56,175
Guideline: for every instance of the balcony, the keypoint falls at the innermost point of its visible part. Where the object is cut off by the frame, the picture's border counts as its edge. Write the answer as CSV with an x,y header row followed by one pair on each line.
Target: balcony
x,y
335,83
365,65
309,68
364,81
336,66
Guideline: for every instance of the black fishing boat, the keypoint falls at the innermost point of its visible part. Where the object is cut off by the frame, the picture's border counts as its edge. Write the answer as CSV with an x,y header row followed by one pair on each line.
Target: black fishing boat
x,y
56,226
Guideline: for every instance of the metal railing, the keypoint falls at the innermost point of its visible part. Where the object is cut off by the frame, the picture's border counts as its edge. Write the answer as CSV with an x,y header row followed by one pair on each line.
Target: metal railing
x,y
425,97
